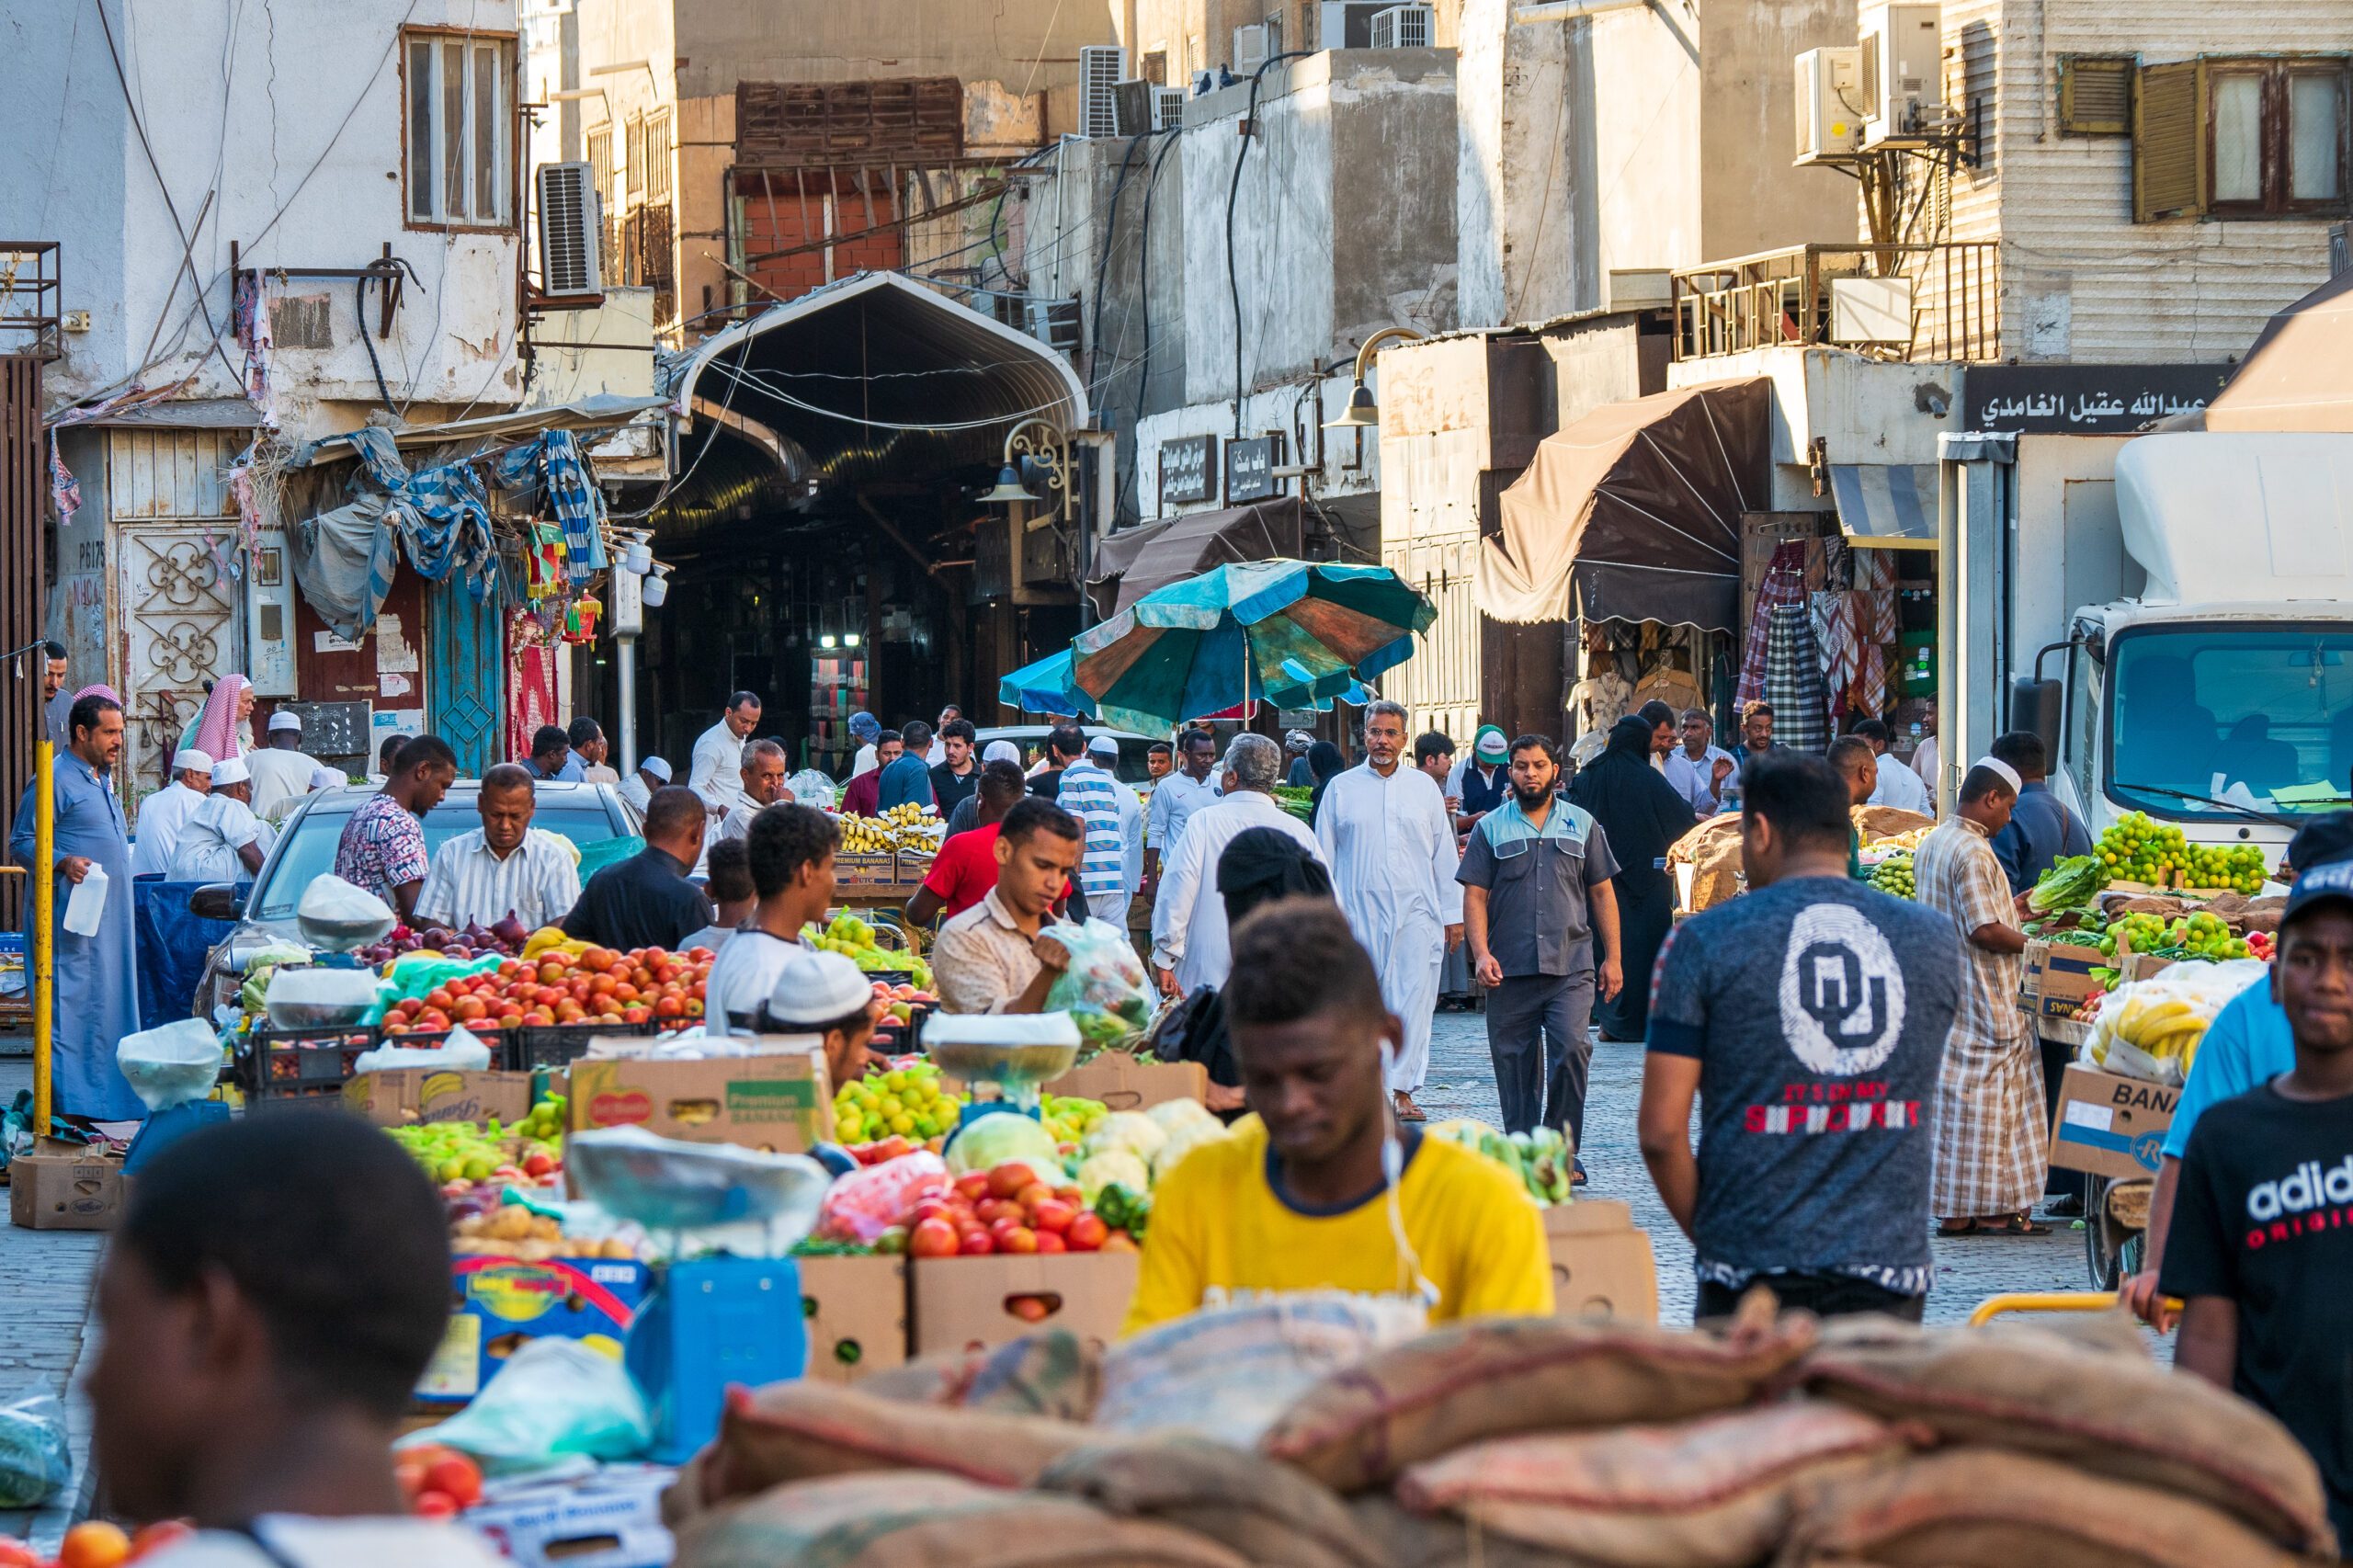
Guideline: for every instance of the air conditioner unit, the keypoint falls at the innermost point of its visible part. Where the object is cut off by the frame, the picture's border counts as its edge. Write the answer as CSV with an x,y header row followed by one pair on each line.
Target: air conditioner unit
x,y
1402,27
1054,322
1101,68
1249,48
1168,108
1903,70
570,228
1346,24
1133,105
1830,103
1871,310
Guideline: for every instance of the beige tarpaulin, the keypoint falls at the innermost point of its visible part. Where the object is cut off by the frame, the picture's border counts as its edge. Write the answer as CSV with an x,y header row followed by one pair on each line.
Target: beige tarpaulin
x,y
2298,375
1632,513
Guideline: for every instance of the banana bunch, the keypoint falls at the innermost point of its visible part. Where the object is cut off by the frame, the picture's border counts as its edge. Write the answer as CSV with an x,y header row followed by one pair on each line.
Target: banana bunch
x,y
2145,1032
869,836
1540,1159
906,814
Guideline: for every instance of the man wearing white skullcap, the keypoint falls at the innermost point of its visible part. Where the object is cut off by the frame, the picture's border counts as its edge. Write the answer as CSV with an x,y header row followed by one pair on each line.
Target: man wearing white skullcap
x,y
281,767
639,787
163,814
1990,1151
223,841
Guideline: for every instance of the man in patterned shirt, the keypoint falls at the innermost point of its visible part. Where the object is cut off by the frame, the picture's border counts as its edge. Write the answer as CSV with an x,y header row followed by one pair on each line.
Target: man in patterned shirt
x,y
382,848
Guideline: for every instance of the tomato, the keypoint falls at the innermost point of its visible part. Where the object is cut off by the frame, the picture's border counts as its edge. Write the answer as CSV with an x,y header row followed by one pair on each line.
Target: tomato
x,y
1118,1241
432,1019
153,1539
471,1007
1051,1216
977,1245
597,960
1035,1193
653,955
625,991
1072,1196
669,1007
694,1004
457,1476
434,1506
932,1238
1086,1233
972,1186
410,1474
538,1018
1049,1242
94,1544
1030,1309
439,996
1016,1238
17,1554
550,972
602,986
635,1014
1007,1179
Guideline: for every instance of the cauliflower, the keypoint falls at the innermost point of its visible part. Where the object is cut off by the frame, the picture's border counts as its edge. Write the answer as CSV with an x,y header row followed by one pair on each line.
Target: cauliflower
x,y
1173,1116
1132,1131
990,1140
1112,1165
1191,1136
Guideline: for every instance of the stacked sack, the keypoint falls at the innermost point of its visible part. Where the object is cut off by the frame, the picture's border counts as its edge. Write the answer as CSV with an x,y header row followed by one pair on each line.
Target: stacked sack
x,y
1526,1443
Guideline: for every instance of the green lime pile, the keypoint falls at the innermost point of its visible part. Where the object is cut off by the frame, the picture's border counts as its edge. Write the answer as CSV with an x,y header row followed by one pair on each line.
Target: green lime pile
x,y
2199,936
1893,875
908,1101
2137,850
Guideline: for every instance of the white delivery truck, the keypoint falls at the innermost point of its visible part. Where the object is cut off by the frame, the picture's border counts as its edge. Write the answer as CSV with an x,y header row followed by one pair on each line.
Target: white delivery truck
x,y
2214,688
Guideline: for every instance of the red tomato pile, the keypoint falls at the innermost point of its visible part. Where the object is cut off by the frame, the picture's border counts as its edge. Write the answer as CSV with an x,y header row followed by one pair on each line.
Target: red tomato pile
x,y
438,1481
601,985
1007,1208
96,1543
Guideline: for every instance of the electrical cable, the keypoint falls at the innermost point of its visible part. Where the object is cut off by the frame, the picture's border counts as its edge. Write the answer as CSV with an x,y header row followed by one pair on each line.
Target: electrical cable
x,y
1110,230
359,313
1144,297
1233,196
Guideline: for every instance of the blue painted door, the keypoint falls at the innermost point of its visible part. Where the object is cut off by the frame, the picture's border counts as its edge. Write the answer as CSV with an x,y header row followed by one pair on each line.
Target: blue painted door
x,y
466,675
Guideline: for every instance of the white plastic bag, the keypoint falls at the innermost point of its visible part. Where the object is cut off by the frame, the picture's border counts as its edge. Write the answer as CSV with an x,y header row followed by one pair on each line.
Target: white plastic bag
x,y
810,788
171,1065
2150,1030
463,1051
34,1459
554,1398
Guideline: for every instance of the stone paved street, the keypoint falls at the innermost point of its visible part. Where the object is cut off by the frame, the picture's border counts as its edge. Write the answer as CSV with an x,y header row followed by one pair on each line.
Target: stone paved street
x,y
1461,1083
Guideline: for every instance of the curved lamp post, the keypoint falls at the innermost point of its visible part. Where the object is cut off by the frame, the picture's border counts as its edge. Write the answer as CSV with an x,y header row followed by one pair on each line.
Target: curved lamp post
x,y
1362,411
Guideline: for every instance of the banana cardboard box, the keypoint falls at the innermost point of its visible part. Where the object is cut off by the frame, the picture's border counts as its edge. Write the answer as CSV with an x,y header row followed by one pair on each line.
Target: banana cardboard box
x,y
780,1103
502,1303
2111,1125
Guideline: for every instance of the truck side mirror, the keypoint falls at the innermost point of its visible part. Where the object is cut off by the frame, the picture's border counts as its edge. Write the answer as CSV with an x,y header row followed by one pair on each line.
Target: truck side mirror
x,y
2035,705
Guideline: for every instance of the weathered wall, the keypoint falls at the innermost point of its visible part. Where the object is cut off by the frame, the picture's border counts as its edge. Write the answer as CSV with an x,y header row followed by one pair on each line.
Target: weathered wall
x,y
1864,410
289,177
1529,248
2081,281
1351,459
1751,198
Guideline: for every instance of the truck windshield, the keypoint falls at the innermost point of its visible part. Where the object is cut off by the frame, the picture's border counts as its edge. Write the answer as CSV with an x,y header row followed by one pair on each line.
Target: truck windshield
x,y
2260,716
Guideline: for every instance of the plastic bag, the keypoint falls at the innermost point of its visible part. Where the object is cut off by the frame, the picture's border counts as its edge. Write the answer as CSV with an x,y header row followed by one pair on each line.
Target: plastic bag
x,y
1104,990
34,1459
332,910
2151,1029
1228,1372
463,1051
554,1398
664,1184
869,1202
810,788
171,1065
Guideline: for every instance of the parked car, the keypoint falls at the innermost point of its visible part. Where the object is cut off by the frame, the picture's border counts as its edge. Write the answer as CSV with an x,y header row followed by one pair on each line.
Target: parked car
x,y
1031,739
585,814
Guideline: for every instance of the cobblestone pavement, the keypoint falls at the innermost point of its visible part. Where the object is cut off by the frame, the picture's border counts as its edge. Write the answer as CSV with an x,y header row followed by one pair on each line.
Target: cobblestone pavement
x,y
45,1280
1461,1083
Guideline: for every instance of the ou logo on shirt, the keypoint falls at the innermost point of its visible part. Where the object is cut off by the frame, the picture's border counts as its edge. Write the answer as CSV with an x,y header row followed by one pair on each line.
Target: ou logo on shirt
x,y
1841,992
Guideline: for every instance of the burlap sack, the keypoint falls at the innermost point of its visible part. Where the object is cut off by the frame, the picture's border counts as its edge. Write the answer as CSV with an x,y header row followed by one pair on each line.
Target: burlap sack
x,y
1053,1372
2110,1414
1712,849
1982,1508
1708,1494
1489,1379
1412,1541
799,1431
910,1519
1875,823
1268,1513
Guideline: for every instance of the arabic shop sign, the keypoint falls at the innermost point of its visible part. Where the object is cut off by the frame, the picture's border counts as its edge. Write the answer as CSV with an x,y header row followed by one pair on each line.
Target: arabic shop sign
x,y
2085,400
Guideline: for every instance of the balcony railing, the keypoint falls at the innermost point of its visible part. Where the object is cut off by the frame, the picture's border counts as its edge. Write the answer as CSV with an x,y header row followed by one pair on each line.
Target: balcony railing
x,y
1923,301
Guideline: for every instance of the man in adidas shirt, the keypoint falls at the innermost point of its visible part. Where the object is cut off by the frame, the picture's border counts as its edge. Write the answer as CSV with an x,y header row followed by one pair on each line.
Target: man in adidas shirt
x,y
2261,1250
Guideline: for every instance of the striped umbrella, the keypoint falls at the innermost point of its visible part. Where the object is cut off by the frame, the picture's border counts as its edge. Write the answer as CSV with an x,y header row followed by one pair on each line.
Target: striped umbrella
x,y
1295,633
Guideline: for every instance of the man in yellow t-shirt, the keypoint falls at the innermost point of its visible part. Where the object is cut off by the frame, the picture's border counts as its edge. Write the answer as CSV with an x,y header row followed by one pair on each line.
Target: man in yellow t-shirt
x,y
1296,1197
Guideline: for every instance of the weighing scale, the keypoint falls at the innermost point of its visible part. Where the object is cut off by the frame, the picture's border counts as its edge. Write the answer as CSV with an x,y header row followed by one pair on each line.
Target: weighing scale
x,y
1018,1052
708,1322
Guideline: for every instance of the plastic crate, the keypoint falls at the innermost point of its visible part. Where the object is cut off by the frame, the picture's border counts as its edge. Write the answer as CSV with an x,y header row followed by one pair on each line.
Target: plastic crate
x,y
279,1065
534,1046
892,1037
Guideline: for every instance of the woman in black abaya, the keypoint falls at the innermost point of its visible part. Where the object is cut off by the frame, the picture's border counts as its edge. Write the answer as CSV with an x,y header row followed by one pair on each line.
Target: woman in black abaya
x,y
1641,814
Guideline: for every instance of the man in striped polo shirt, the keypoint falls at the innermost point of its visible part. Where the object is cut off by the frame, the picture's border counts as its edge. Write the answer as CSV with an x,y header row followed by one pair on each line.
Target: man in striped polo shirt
x,y
1090,793
501,867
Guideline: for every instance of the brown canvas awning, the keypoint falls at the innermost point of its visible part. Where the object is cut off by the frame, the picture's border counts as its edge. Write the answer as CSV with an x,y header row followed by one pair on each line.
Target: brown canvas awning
x,y
1634,513
1132,562
2298,375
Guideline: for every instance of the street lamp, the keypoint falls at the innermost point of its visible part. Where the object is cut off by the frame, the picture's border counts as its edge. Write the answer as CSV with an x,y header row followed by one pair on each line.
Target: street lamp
x,y
1046,445
1362,411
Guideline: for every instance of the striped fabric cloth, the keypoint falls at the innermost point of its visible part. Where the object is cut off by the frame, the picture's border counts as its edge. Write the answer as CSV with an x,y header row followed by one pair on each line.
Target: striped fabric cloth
x,y
1090,794
1784,584
1793,678
539,882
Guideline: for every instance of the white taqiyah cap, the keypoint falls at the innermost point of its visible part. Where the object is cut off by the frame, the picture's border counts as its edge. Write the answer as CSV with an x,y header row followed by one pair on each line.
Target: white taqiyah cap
x,y
1001,751
325,778
818,988
2000,769
285,719
1102,745
656,767
188,760
231,770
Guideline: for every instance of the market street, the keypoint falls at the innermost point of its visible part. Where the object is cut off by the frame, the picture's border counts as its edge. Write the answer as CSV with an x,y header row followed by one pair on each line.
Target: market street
x,y
46,1276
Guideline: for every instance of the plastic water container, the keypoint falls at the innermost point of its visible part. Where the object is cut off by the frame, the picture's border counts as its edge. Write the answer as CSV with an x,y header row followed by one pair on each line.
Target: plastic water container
x,y
86,904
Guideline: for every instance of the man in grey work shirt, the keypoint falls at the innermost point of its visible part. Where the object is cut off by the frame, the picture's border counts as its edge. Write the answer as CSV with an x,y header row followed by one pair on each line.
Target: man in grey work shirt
x,y
1536,899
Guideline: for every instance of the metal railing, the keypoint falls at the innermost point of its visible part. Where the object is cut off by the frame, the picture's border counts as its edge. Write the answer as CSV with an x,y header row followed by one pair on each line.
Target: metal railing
x,y
1907,302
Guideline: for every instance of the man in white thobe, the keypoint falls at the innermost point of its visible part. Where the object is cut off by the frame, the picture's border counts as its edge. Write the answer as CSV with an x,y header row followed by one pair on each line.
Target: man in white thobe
x,y
163,814
281,769
717,774
1386,836
1190,946
639,787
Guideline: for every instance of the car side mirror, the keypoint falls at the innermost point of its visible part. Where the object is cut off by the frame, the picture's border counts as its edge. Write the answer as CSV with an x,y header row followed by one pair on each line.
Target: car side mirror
x,y
2036,706
216,900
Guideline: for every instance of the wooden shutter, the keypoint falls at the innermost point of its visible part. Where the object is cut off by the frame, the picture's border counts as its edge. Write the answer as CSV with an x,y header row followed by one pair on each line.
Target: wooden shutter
x,y
2169,174
2096,94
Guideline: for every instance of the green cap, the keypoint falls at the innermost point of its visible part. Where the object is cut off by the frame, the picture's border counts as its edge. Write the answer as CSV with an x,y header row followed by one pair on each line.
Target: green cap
x,y
1488,745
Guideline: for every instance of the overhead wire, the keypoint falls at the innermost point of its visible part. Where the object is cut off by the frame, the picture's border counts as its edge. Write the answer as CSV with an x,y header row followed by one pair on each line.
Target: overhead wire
x,y
1233,196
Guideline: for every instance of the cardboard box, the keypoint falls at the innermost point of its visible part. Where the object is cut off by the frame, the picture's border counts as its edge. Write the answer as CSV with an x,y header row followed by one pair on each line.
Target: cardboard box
x,y
866,868
1602,1263
609,1518
502,1303
65,1187
2057,978
780,1103
1122,1083
2111,1125
857,1309
962,1303
412,1095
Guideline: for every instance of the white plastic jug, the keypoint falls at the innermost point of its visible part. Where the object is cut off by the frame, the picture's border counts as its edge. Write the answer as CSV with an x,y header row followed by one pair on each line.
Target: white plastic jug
x,y
86,904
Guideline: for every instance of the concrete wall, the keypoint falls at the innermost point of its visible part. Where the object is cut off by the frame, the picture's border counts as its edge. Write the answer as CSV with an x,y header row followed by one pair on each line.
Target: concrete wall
x,y
289,179
2081,281
1750,199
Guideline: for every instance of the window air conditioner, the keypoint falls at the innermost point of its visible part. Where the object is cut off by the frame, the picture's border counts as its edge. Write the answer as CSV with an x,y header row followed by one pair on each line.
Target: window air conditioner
x,y
571,226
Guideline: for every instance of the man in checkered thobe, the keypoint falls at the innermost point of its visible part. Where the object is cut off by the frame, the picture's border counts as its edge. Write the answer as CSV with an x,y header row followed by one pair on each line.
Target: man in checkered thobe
x,y
1990,1156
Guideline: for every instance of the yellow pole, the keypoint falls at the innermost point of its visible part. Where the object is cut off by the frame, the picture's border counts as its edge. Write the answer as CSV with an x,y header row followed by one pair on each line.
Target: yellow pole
x,y
44,890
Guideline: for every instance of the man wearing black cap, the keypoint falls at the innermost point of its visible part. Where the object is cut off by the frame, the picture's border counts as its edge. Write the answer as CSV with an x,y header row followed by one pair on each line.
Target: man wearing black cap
x,y
2260,1251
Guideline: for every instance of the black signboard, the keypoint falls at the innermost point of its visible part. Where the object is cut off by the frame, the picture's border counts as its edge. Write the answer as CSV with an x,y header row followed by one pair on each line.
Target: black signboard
x,y
331,729
1250,469
2084,400
1188,469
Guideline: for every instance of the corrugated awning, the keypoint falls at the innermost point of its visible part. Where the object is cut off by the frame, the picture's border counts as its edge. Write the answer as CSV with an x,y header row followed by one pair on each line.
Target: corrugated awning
x,y
1132,562
1632,513
183,414
605,411
1886,506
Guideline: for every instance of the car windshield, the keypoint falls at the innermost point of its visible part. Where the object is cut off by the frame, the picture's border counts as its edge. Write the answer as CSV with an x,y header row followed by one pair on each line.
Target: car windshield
x,y
2259,717
310,853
